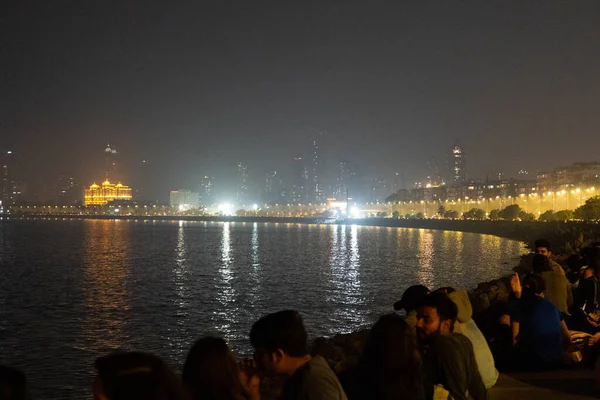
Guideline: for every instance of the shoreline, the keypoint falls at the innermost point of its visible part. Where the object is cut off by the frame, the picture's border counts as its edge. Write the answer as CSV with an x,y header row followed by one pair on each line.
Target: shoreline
x,y
526,232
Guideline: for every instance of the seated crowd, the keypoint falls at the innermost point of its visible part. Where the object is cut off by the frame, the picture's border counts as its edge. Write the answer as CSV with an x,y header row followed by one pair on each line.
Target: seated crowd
x,y
435,351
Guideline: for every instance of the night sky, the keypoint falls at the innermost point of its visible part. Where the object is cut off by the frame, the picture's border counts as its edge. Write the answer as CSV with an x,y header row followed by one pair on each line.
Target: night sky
x,y
194,87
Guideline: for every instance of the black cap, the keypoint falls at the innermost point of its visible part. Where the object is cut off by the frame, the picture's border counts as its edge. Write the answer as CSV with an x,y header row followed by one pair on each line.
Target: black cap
x,y
411,298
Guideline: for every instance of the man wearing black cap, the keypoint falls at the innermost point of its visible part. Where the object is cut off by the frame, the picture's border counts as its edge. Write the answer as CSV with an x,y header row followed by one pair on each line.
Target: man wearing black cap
x,y
410,301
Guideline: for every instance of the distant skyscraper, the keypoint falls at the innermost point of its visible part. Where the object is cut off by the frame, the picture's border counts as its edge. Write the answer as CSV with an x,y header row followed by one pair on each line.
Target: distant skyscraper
x,y
379,190
206,190
459,170
242,184
434,177
316,189
299,182
111,170
6,178
346,181
67,190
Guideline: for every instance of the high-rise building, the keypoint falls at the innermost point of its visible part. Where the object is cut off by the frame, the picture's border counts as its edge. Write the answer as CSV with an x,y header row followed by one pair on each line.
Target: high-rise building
x,y
6,178
379,190
434,178
299,182
111,166
184,200
242,184
459,169
206,190
316,188
67,190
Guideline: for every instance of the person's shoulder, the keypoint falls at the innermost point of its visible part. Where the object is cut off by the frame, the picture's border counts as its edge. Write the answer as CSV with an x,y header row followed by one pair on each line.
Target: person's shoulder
x,y
452,342
318,368
320,381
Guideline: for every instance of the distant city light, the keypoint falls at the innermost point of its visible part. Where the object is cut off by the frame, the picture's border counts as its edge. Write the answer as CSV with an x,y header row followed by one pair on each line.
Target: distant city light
x,y
255,207
226,209
9,152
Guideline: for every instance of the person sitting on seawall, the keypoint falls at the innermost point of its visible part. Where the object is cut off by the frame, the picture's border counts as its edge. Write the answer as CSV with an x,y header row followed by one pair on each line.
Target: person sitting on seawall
x,y
558,288
586,302
410,301
466,326
390,367
543,247
13,384
281,347
448,358
539,332
211,372
133,376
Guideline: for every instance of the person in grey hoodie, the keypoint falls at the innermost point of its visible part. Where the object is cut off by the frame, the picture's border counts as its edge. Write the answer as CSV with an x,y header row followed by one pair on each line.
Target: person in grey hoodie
x,y
467,327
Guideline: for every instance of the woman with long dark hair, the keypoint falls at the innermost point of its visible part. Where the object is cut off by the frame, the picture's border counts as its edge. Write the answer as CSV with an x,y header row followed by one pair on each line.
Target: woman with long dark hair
x,y
391,364
211,372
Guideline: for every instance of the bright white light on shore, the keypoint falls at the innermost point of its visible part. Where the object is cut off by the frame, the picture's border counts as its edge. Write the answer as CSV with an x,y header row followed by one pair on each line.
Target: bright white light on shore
x,y
226,209
255,207
355,212
116,210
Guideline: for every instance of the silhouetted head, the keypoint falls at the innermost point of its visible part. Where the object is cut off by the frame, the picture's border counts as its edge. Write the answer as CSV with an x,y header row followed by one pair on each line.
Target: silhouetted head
x,y
391,359
542,246
278,337
211,372
534,288
540,263
135,376
411,298
13,384
436,316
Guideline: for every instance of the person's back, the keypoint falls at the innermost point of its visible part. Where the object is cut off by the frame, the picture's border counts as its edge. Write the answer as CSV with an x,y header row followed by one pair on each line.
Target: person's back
x,y
557,287
314,380
450,361
390,366
211,372
466,326
540,335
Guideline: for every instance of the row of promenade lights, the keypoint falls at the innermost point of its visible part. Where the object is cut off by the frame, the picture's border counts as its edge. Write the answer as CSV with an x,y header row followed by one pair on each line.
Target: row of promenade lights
x,y
466,199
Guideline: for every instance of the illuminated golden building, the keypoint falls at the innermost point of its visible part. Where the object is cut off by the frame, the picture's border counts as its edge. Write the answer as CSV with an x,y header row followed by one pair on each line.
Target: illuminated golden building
x,y
101,195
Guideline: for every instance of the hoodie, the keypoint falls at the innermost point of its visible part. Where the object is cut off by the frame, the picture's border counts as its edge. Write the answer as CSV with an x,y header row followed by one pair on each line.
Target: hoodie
x,y
466,326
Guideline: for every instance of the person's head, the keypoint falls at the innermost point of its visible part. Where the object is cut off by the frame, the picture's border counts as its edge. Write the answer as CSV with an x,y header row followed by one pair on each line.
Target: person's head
x,y
540,263
133,376
436,316
587,273
13,384
534,288
543,247
391,358
279,340
211,372
411,298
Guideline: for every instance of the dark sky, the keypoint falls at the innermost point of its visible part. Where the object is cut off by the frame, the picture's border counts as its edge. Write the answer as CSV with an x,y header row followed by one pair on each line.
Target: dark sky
x,y
194,87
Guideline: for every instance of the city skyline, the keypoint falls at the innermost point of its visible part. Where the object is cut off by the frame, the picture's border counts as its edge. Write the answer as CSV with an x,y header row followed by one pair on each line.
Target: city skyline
x,y
191,91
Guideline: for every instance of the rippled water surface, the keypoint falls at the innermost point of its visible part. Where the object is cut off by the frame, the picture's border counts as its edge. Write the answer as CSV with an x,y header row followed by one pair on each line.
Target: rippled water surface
x,y
72,290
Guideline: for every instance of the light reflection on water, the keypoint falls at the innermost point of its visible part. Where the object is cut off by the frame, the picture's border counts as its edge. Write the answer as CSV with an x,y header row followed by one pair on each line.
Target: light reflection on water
x,y
72,290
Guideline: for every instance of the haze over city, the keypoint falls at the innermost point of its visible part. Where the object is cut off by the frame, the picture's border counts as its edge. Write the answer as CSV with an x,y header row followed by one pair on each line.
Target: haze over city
x,y
196,88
